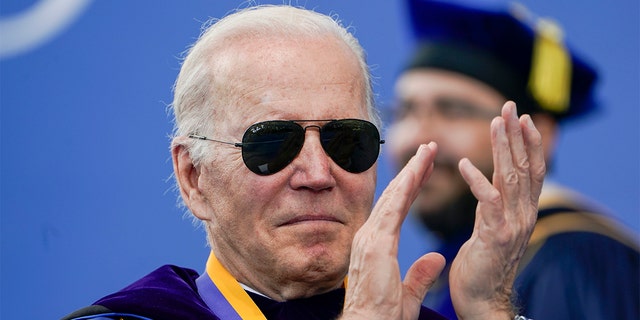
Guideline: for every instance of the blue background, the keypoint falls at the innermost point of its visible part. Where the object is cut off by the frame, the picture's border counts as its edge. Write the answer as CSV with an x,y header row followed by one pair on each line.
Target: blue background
x,y
87,203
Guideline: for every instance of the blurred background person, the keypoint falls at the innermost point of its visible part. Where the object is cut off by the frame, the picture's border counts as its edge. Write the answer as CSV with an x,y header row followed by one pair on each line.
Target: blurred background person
x,y
467,62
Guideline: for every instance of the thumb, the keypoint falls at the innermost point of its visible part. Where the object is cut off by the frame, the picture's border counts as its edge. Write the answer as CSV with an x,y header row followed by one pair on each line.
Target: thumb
x,y
422,275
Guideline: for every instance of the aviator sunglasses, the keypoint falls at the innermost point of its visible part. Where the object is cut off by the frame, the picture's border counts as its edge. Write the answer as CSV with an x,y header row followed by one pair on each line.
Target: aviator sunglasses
x,y
269,146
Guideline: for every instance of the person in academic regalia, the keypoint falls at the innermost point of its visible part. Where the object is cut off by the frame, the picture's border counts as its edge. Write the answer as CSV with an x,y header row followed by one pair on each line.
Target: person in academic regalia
x,y
468,60
274,150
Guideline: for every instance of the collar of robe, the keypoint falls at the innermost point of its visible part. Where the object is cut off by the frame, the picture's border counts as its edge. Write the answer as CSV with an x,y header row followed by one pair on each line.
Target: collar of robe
x,y
225,296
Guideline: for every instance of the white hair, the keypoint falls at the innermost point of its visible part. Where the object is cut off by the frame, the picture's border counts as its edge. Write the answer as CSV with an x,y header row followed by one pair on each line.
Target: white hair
x,y
195,101
197,98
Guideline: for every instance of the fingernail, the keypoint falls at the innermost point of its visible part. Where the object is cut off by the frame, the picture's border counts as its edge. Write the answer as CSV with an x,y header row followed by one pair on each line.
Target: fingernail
x,y
529,122
422,148
514,111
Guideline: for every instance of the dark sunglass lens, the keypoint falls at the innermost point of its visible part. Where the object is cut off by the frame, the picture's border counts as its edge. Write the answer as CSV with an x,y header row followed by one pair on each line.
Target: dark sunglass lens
x,y
353,144
268,147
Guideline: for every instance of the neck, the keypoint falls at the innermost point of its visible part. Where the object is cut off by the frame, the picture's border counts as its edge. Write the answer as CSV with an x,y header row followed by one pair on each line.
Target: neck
x,y
281,288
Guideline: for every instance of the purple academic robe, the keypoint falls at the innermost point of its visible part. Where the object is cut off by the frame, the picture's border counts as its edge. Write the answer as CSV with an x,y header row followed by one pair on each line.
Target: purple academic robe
x,y
171,292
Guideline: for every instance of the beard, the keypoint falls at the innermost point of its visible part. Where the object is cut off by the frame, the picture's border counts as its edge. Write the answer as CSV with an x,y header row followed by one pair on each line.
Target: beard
x,y
453,220
455,217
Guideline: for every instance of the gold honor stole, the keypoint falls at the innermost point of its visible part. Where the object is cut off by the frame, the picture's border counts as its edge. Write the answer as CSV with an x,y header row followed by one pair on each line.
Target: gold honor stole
x,y
223,294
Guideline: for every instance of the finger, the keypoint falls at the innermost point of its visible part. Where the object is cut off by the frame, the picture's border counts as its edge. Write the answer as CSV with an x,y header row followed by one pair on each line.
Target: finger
x,y
422,275
394,203
535,151
488,196
519,152
505,178
517,184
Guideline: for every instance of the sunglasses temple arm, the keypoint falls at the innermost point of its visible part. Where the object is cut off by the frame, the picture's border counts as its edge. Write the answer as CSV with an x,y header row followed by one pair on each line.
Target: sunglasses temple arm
x,y
199,137
195,136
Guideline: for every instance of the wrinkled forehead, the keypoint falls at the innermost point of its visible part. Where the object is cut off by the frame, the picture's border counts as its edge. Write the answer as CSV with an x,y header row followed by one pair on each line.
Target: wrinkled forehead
x,y
265,78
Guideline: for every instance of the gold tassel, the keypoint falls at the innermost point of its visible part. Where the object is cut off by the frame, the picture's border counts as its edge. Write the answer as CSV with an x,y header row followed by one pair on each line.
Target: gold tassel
x,y
550,77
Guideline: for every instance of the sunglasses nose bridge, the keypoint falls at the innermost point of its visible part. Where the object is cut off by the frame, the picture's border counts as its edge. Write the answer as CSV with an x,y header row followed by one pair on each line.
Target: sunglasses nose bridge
x,y
315,143
312,126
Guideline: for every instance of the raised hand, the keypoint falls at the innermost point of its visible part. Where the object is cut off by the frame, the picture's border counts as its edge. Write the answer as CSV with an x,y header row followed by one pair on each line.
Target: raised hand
x,y
375,289
483,272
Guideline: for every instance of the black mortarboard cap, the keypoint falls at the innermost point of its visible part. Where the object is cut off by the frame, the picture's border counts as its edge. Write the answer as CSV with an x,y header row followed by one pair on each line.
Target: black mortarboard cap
x,y
523,58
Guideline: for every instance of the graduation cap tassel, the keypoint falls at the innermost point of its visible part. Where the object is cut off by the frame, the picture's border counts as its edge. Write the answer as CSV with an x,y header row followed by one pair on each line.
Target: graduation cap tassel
x,y
550,77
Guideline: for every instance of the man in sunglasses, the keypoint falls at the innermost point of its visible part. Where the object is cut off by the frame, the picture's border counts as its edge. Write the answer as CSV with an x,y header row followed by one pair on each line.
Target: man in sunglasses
x,y
468,61
275,145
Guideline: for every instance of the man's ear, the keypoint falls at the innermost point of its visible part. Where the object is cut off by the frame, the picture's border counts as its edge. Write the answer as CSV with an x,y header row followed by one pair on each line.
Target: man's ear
x,y
188,178
548,128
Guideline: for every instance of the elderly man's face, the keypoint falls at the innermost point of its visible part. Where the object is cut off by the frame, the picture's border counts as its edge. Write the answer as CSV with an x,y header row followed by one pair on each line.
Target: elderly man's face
x,y
285,233
455,111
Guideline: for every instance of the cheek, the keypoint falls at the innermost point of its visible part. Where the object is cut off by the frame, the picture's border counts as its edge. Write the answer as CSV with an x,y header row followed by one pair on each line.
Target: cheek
x,y
361,195
237,206
227,194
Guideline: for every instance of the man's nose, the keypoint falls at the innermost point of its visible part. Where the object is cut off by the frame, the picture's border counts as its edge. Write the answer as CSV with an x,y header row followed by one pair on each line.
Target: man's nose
x,y
313,166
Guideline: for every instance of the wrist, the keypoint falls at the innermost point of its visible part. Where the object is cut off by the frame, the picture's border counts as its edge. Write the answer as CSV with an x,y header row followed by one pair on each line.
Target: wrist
x,y
504,310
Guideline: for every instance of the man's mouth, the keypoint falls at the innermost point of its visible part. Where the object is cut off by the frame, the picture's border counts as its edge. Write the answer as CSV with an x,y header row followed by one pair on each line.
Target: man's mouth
x,y
311,218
